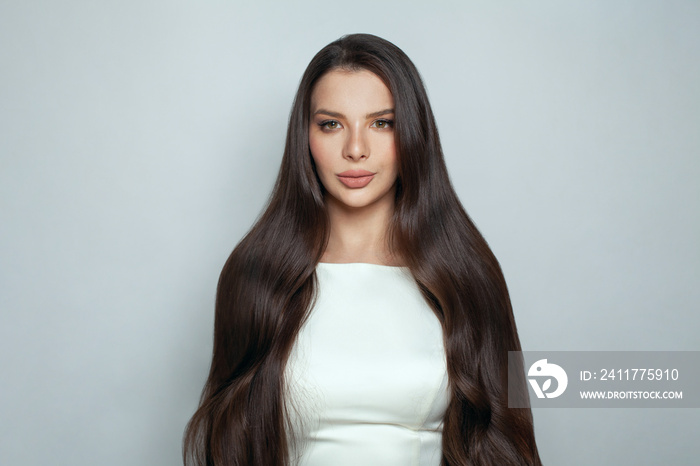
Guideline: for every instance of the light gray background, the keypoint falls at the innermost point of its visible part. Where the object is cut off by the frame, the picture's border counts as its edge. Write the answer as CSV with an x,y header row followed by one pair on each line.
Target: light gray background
x,y
139,141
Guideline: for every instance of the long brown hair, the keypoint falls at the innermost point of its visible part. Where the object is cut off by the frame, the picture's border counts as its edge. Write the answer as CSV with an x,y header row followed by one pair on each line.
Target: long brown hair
x,y
268,284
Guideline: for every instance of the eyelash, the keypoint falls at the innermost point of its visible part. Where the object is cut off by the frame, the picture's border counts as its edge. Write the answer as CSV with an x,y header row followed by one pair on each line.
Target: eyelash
x,y
325,124
389,123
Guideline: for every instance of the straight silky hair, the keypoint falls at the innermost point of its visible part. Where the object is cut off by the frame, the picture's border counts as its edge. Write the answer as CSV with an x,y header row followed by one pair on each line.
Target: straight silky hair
x,y
268,284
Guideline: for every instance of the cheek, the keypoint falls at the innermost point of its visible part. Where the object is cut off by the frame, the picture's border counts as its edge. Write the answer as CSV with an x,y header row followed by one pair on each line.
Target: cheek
x,y
317,150
391,158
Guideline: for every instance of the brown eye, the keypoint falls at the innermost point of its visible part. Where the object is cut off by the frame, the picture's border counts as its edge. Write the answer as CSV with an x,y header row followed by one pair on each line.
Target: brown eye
x,y
329,124
383,124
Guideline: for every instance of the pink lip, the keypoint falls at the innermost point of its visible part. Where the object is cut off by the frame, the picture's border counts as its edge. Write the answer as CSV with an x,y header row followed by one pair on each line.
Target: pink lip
x,y
355,178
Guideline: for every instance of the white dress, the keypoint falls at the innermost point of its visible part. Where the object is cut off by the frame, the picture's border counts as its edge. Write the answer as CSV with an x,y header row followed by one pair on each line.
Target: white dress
x,y
366,379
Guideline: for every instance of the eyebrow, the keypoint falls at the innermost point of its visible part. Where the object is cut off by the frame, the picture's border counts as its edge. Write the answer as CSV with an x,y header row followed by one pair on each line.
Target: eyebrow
x,y
322,111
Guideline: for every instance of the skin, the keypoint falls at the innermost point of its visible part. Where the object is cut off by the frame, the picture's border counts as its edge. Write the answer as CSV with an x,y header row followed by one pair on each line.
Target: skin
x,y
351,128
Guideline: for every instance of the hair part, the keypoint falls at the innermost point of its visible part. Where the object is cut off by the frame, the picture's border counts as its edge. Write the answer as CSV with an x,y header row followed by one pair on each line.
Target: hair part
x,y
268,284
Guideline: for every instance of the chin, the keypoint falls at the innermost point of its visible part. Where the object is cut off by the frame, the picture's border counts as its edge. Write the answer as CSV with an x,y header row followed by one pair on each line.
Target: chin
x,y
360,200
354,203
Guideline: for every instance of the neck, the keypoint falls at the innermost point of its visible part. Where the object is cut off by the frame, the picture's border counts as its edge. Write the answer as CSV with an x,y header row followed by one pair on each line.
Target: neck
x,y
359,234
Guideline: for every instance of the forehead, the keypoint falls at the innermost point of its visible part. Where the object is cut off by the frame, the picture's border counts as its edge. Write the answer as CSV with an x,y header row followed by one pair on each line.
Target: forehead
x,y
345,90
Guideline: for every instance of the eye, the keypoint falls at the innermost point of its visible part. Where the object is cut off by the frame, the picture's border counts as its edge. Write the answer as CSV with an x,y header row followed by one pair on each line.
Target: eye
x,y
329,125
383,124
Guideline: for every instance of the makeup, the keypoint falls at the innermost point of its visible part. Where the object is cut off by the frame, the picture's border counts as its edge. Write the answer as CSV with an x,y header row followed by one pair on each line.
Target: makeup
x,y
355,179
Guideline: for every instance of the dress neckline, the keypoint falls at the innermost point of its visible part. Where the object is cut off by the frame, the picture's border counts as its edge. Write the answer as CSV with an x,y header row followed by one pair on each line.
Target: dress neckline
x,y
361,264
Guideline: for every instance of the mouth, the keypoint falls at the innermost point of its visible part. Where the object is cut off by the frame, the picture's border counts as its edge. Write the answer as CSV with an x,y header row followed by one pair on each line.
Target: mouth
x,y
355,178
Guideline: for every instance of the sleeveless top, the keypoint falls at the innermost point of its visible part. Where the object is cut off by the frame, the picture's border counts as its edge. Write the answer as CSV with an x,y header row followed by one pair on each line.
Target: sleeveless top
x,y
366,381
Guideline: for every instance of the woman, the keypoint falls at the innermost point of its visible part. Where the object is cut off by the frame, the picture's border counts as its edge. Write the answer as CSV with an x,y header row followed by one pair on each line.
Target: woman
x,y
363,319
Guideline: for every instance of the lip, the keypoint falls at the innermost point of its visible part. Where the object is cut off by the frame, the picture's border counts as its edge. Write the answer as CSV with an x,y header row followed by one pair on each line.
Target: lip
x,y
355,178
356,173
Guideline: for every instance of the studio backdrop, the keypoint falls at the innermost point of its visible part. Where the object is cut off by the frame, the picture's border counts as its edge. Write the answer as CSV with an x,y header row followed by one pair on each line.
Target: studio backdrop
x,y
140,140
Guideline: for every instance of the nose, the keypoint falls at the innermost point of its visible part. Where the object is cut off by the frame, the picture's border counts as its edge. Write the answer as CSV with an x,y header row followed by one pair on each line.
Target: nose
x,y
356,144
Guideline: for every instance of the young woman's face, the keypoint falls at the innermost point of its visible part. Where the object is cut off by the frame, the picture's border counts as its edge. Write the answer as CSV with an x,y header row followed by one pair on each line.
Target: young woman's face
x,y
351,136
